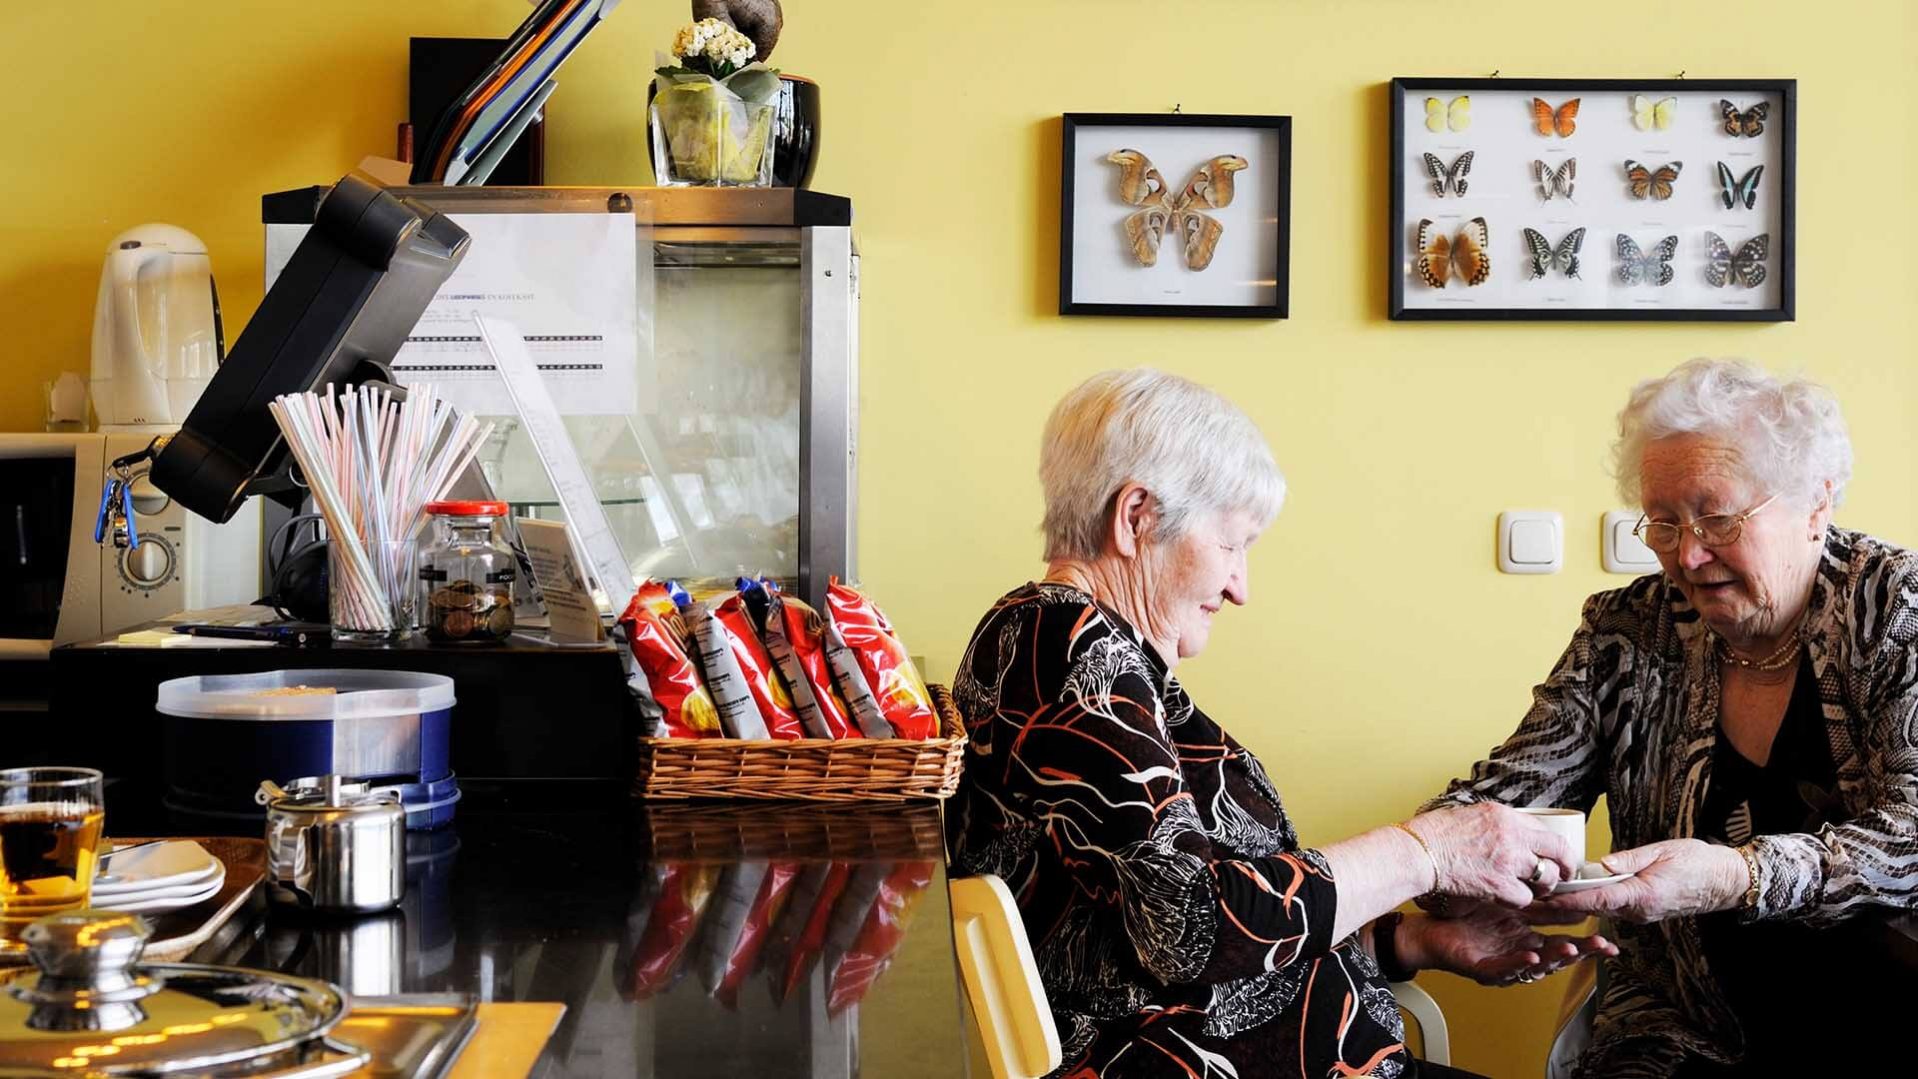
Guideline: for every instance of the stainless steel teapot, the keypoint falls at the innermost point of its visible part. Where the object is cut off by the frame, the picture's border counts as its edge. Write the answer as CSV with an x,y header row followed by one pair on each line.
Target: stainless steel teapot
x,y
333,845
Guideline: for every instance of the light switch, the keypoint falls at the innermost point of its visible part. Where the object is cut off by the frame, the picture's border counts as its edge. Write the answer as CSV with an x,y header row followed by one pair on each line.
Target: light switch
x,y
1531,541
1623,553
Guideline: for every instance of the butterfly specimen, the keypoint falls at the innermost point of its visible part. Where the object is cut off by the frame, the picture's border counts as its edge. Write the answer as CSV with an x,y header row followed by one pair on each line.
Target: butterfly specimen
x,y
1554,181
1546,120
1635,267
1746,265
1468,252
1750,123
1455,175
1457,115
1652,183
1564,256
1649,115
1736,191
1181,211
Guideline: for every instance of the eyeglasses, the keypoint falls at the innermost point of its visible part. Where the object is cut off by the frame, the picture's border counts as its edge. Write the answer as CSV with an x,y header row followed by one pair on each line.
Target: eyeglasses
x,y
1712,530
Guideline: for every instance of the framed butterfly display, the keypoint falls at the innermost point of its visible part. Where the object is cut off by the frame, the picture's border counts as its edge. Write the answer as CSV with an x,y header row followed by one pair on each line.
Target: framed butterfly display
x,y
1178,214
1593,199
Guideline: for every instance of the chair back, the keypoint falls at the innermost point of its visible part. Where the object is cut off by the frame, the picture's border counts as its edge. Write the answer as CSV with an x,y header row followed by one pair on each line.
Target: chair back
x,y
1008,1002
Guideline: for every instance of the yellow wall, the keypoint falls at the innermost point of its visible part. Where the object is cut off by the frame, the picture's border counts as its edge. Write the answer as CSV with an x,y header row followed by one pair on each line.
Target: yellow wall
x,y
1382,651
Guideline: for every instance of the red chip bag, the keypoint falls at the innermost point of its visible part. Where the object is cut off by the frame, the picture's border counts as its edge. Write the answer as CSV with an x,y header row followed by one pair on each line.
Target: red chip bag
x,y
671,679
895,682
811,935
683,893
879,937
792,640
759,923
756,667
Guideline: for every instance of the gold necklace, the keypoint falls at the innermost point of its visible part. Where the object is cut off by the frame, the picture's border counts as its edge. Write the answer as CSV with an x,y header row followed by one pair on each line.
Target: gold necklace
x,y
1783,657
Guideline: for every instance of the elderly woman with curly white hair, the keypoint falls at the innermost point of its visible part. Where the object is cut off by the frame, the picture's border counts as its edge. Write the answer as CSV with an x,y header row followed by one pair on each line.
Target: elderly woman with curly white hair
x,y
1179,927
1750,714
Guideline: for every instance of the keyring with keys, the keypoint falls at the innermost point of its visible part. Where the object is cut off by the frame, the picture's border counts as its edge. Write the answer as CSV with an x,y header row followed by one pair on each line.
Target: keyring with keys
x,y
116,517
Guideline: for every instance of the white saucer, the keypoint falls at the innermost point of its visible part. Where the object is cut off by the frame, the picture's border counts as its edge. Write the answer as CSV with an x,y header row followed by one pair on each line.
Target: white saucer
x,y
174,891
1584,883
161,902
164,865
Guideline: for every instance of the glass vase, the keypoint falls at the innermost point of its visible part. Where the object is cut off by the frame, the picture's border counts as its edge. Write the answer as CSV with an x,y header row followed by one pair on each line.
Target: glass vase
x,y
372,601
704,135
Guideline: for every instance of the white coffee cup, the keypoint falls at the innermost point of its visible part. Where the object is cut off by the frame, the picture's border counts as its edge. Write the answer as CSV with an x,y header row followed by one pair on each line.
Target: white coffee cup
x,y
1568,824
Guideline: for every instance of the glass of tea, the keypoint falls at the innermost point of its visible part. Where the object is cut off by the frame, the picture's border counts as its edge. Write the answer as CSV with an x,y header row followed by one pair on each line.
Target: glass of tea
x,y
50,823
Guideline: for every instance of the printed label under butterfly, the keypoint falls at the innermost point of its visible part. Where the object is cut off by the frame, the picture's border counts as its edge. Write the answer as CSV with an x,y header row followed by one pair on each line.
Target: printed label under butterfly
x,y
1454,176
1737,191
1545,256
1638,267
1181,212
1466,254
1651,183
1749,123
1745,265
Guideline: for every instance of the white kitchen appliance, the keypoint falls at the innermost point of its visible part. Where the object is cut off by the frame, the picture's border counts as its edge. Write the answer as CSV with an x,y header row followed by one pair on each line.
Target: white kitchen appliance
x,y
57,585
156,329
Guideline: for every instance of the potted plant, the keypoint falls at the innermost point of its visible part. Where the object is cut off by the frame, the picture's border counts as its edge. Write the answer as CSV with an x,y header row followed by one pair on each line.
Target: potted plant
x,y
712,110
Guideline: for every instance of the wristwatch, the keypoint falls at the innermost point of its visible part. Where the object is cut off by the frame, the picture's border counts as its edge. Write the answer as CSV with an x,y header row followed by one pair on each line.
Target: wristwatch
x,y
1385,948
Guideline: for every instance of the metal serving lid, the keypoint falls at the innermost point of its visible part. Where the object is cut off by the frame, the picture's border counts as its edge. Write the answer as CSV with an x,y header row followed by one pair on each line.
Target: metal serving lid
x,y
90,1008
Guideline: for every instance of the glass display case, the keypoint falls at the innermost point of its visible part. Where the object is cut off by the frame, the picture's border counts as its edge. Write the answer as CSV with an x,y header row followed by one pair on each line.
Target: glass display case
x,y
728,447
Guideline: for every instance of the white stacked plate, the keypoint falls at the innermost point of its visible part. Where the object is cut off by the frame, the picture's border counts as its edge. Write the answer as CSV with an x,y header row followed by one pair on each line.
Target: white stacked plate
x,y
178,873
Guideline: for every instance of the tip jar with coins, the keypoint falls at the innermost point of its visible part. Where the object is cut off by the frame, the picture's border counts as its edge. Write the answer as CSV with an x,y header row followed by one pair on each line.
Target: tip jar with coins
x,y
466,575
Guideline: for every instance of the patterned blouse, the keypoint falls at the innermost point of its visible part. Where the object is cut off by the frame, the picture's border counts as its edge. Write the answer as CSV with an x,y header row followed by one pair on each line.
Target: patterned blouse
x,y
1631,712
1178,926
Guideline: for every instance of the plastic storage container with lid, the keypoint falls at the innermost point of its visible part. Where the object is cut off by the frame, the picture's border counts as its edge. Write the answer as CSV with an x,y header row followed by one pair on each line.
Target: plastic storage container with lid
x,y
225,733
466,575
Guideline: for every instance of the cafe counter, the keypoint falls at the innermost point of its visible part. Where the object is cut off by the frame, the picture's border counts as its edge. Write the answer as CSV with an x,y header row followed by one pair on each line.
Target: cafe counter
x,y
696,940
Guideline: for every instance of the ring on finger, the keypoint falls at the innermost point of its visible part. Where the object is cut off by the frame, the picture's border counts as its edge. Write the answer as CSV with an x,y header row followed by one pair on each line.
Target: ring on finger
x,y
1538,872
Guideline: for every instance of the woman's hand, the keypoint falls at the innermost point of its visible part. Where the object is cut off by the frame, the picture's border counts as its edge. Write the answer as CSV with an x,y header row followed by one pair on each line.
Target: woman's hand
x,y
1492,946
1490,851
1670,879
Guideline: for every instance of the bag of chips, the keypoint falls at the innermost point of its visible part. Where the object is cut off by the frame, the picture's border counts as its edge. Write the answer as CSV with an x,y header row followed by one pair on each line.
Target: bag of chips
x,y
752,938
888,670
792,640
739,716
809,936
683,894
725,919
756,667
655,637
884,929
850,682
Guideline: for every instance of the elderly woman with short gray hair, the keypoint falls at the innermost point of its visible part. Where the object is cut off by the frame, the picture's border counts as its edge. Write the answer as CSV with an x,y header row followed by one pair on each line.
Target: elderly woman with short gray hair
x,y
1750,714
1179,927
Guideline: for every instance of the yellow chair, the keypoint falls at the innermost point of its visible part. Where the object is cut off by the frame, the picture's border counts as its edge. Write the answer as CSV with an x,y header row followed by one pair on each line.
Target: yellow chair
x,y
1435,1040
1008,1003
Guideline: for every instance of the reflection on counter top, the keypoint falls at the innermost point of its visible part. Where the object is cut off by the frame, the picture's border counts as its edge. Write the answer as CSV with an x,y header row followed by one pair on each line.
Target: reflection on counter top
x,y
776,940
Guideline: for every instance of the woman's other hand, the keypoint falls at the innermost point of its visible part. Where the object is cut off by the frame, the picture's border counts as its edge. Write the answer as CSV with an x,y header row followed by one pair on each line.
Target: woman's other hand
x,y
1670,879
1492,946
1490,851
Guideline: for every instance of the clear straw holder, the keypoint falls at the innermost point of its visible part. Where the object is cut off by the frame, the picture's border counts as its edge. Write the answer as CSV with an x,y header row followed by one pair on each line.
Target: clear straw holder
x,y
372,601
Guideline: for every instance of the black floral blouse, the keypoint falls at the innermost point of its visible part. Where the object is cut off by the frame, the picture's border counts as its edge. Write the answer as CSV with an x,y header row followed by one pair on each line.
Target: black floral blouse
x,y
1179,928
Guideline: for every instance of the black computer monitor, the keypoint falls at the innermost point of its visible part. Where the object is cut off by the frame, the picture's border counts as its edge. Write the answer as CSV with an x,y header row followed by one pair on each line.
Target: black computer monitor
x,y
338,313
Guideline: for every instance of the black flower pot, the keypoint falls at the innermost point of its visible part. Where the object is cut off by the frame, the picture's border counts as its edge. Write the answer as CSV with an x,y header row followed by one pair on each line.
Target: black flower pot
x,y
795,131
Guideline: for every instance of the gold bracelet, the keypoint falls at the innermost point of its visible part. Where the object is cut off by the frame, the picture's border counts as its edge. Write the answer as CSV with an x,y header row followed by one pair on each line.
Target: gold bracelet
x,y
1429,856
1751,867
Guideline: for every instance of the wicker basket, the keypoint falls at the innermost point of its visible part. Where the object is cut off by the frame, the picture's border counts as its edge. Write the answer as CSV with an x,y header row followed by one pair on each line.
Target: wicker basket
x,y
809,769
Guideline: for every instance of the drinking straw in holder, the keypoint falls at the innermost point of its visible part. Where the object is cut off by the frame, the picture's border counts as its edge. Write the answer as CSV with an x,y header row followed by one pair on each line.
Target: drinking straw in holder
x,y
372,462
